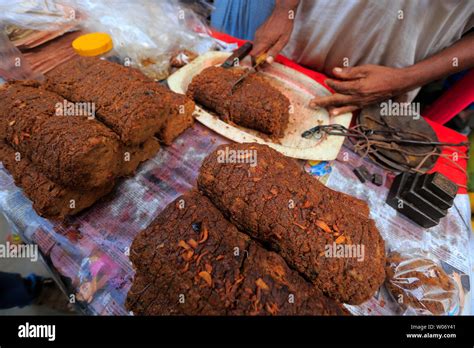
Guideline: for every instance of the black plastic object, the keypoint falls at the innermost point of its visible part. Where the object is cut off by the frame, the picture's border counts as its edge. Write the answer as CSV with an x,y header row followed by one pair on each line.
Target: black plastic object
x,y
362,174
441,186
377,179
424,199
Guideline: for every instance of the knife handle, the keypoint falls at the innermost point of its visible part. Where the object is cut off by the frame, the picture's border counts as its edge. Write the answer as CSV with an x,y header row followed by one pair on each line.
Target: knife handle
x,y
260,59
239,54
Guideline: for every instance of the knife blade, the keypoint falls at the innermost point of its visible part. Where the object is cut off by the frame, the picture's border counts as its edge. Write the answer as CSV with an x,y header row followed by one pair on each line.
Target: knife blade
x,y
259,60
237,55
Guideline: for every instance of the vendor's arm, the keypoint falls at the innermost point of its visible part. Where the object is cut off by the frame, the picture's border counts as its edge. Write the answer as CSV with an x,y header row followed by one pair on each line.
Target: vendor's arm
x,y
274,34
367,84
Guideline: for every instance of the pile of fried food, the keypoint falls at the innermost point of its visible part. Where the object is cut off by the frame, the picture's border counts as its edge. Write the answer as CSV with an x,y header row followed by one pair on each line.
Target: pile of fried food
x,y
256,238
65,162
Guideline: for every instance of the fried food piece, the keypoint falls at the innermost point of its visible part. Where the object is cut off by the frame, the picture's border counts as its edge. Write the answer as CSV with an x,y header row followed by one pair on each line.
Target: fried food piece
x,y
253,104
419,284
50,200
131,104
179,116
182,57
192,261
323,234
73,151
134,155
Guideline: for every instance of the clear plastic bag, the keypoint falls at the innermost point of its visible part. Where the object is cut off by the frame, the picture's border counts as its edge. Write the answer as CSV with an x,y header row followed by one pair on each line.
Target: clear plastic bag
x,y
13,65
45,15
419,284
146,34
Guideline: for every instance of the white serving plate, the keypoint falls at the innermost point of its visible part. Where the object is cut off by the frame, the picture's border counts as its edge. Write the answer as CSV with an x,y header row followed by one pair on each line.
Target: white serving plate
x,y
299,89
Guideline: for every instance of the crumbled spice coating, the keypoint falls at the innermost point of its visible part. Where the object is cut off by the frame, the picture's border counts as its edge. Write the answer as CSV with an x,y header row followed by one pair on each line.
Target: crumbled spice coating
x,y
192,261
280,205
128,102
50,200
253,104
134,155
180,116
73,151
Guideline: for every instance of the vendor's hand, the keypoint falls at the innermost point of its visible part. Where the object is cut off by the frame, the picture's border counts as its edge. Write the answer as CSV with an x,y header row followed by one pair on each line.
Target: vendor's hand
x,y
273,35
361,86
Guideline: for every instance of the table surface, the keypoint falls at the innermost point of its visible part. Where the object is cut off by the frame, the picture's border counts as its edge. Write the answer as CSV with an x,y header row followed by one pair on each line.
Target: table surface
x,y
89,253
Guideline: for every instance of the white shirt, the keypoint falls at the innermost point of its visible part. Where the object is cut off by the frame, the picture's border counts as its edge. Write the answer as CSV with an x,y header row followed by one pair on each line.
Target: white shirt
x,y
395,33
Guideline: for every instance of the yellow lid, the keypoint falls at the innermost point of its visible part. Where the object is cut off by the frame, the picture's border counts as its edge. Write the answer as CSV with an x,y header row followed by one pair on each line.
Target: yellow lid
x,y
313,163
92,44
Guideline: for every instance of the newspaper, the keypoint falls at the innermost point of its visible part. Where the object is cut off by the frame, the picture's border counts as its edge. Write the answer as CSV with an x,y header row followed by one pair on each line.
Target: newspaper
x,y
89,254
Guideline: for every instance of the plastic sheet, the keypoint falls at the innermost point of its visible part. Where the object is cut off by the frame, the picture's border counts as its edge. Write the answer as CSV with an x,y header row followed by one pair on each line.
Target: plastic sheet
x,y
46,15
447,243
13,66
21,19
420,285
146,34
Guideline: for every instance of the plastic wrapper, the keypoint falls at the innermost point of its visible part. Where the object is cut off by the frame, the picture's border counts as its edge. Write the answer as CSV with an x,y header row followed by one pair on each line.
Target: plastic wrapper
x,y
181,58
45,15
13,66
146,34
419,284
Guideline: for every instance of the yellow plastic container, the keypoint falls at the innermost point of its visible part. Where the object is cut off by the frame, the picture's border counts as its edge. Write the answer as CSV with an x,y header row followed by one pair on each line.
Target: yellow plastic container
x,y
93,44
313,163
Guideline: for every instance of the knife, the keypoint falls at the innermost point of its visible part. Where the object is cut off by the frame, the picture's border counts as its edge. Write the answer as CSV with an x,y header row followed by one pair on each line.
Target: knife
x,y
259,60
238,55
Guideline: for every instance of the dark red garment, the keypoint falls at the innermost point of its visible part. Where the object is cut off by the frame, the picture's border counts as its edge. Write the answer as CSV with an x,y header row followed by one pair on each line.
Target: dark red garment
x,y
444,134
